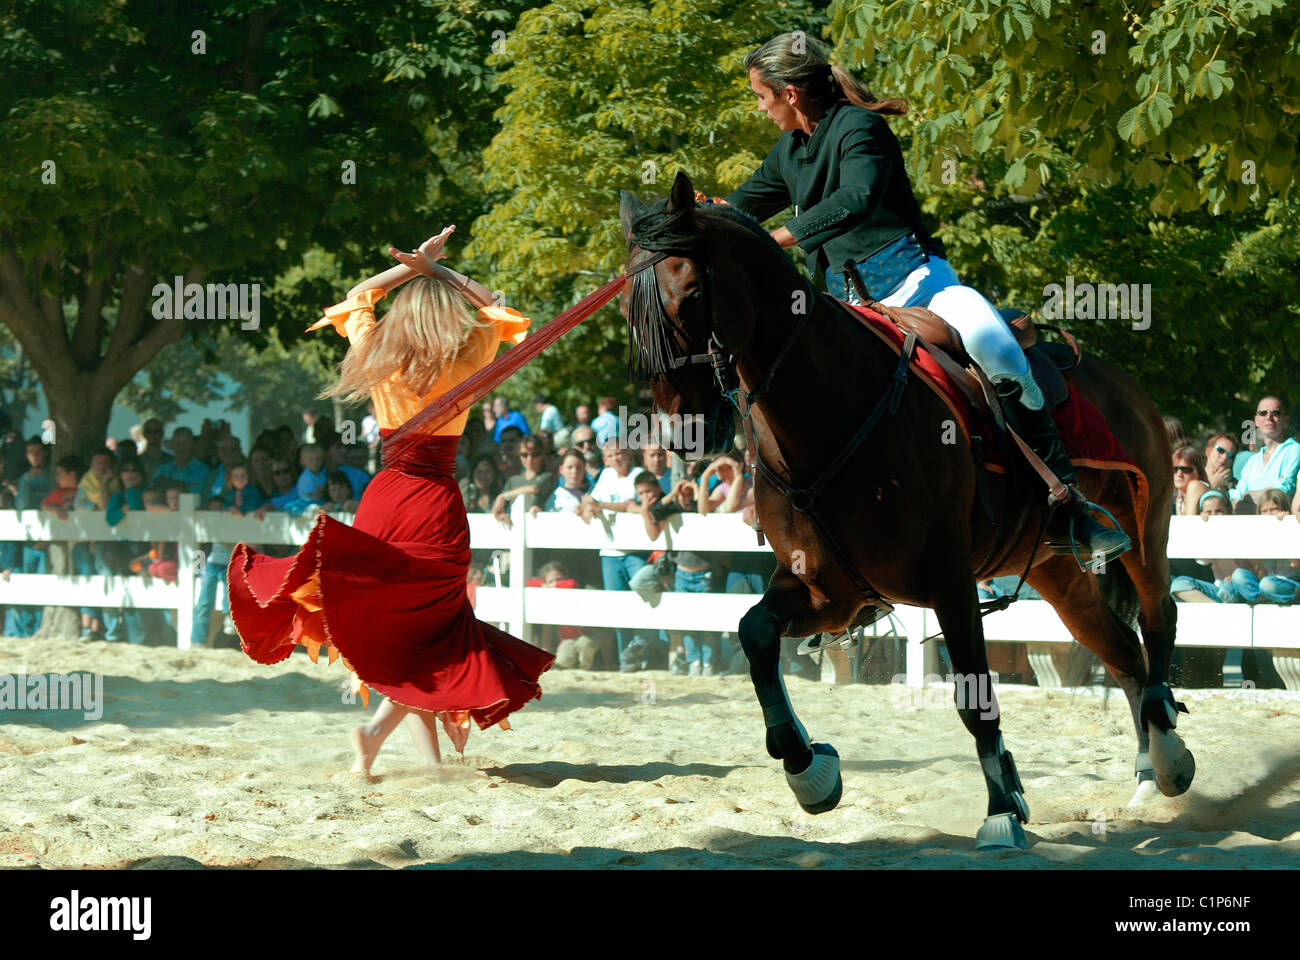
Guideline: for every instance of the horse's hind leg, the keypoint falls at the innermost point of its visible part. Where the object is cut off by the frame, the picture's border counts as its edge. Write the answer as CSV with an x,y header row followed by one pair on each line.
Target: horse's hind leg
x,y
811,770
957,607
1087,606
1173,765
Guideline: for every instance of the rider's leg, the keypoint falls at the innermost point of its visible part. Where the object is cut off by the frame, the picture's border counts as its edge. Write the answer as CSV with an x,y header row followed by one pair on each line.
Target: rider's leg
x,y
991,344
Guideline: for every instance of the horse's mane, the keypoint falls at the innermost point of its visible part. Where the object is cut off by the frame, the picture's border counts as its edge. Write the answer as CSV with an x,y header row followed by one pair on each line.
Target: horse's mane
x,y
682,233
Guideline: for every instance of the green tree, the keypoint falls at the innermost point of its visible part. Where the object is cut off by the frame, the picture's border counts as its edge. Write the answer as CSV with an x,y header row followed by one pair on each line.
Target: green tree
x,y
606,95
1198,99
218,142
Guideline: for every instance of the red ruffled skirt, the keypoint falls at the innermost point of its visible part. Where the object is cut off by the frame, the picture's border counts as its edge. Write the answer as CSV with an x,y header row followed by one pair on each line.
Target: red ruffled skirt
x,y
388,595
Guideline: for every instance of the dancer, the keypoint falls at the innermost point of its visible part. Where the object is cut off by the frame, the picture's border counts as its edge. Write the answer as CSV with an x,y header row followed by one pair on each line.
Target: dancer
x,y
387,594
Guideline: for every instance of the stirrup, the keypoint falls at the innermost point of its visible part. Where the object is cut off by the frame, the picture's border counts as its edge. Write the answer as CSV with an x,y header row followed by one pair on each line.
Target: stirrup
x,y
1081,505
868,615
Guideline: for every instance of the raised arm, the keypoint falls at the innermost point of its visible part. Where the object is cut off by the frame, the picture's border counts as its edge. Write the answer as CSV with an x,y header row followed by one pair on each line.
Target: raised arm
x,y
424,260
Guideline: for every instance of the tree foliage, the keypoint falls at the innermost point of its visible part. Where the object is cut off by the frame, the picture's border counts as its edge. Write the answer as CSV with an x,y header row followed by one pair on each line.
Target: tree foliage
x,y
606,95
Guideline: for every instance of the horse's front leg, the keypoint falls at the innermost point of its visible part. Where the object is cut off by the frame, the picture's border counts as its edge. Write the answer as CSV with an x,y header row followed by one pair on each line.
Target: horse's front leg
x,y
812,770
956,604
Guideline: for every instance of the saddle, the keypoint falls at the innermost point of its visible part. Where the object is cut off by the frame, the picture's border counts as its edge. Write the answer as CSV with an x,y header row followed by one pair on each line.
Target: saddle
x,y
1047,360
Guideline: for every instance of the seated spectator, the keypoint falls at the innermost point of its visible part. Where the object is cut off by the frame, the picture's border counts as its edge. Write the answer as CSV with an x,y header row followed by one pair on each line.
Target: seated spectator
x,y
242,496
532,480
1190,589
228,454
1220,451
1277,461
505,417
183,466
571,645
285,497
484,484
1272,581
336,460
1189,481
339,498
311,481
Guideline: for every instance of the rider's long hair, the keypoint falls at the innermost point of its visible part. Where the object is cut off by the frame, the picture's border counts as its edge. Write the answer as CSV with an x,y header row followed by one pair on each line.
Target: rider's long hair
x,y
779,66
426,329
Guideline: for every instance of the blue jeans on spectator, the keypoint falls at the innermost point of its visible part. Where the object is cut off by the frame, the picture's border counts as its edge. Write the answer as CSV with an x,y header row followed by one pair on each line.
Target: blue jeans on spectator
x,y
695,581
745,583
1180,584
83,565
1245,587
124,623
616,574
212,574
25,621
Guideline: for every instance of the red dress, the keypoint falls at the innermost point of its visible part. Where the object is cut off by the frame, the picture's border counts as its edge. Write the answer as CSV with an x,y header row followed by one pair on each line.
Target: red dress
x,y
389,595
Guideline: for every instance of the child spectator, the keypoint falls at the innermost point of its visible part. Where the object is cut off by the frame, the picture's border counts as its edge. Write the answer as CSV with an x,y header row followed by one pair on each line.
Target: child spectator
x,y
573,486
311,482
339,497
67,476
572,648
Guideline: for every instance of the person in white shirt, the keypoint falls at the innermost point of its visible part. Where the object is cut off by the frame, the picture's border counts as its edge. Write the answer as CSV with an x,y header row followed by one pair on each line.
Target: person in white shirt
x,y
1275,466
615,490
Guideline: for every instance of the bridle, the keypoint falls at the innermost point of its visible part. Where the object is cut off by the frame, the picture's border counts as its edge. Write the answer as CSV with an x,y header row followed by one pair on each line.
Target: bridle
x,y
801,499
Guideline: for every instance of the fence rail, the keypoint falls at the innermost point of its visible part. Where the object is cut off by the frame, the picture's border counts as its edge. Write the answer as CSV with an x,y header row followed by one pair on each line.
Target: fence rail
x,y
521,607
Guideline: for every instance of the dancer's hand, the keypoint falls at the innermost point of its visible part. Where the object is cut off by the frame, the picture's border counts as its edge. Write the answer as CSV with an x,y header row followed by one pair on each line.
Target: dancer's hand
x,y
432,248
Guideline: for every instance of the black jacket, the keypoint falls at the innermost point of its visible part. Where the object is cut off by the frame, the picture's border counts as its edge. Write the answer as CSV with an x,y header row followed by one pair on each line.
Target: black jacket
x,y
847,184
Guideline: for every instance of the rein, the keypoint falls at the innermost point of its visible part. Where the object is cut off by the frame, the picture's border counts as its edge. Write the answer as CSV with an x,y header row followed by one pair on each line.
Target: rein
x,y
801,499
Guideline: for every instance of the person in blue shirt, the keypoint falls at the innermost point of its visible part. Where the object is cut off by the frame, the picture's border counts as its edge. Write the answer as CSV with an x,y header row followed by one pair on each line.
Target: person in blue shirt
x,y
1275,465
606,424
335,460
183,466
311,482
507,418
550,421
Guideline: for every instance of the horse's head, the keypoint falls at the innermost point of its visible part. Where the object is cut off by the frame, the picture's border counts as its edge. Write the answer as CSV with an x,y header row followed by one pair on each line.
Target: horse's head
x,y
676,338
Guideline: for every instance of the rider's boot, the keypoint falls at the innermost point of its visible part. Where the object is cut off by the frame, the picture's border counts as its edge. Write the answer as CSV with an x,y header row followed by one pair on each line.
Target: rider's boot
x,y
1096,543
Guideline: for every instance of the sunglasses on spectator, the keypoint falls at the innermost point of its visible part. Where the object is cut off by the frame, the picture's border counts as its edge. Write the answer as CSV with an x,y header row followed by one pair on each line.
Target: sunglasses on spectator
x,y
1182,469
584,443
1268,413
1219,449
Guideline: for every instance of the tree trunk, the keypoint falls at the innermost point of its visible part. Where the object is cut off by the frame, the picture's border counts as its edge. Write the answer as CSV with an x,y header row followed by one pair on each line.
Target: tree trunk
x,y
59,623
78,415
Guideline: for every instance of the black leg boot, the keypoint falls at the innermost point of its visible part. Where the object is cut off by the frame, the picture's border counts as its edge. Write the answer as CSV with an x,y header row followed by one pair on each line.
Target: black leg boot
x,y
1072,527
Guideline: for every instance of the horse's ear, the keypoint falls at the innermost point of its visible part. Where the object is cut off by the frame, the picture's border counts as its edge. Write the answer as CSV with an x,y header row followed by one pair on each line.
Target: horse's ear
x,y
683,194
629,208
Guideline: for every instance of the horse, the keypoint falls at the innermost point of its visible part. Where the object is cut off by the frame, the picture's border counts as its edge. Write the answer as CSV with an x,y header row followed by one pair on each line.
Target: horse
x,y
720,320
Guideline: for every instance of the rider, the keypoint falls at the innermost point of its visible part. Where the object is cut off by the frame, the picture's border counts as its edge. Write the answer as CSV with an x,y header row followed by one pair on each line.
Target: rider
x,y
841,167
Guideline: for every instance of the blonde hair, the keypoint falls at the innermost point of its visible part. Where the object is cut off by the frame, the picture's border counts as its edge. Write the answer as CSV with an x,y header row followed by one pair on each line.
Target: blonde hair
x,y
779,66
427,328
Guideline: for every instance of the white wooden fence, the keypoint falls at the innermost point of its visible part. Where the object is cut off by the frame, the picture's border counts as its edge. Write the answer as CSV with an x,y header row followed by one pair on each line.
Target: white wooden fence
x,y
521,608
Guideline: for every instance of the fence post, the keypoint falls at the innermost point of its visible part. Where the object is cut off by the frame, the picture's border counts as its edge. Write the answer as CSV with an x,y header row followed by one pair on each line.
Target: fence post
x,y
521,562
186,546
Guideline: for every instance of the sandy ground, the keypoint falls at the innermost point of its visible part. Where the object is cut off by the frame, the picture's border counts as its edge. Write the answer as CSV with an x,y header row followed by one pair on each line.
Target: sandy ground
x,y
205,758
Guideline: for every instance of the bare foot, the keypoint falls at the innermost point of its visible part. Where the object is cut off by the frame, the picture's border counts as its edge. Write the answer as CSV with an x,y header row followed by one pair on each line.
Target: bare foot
x,y
366,747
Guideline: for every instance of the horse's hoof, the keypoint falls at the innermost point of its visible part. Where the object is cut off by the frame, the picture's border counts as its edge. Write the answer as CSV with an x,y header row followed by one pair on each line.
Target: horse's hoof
x,y
1174,764
819,787
1001,831
1146,789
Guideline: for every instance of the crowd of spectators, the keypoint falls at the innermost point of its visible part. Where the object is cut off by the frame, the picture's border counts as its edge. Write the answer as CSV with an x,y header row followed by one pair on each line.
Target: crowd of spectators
x,y
1223,477
582,467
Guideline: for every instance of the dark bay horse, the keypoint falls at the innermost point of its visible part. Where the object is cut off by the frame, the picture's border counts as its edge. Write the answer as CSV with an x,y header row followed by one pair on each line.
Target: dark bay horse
x,y
723,306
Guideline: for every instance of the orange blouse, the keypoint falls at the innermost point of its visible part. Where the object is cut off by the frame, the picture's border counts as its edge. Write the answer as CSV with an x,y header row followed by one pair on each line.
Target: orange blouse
x,y
395,403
